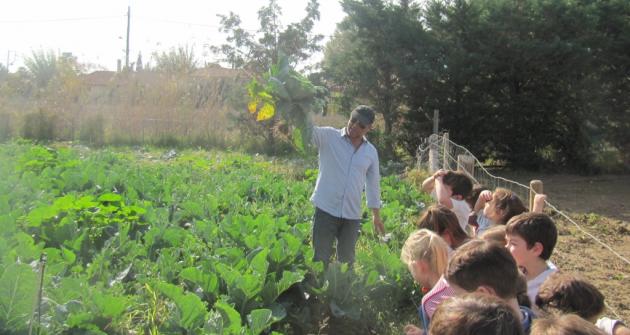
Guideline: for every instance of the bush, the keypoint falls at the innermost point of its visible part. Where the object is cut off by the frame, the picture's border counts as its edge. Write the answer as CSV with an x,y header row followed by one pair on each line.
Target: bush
x,y
39,126
5,126
92,131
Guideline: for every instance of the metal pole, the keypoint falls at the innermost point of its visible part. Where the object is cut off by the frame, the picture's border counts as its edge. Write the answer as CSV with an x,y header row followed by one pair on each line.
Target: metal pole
x,y
127,50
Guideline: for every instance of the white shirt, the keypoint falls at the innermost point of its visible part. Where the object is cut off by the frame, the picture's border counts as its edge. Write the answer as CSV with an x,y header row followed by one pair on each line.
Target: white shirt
x,y
534,284
344,172
461,210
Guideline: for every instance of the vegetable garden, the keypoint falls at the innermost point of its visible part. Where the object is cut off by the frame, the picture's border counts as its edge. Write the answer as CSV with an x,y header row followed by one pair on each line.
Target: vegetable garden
x,y
139,242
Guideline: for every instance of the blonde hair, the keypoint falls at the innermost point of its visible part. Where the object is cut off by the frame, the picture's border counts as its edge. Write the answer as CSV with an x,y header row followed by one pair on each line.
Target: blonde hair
x,y
428,246
495,234
567,324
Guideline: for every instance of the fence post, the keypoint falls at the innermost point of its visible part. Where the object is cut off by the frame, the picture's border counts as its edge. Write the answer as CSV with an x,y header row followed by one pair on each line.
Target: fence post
x,y
466,163
535,187
445,152
434,160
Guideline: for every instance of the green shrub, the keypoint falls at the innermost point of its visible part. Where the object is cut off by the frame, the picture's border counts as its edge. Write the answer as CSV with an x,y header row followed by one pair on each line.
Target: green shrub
x,y
39,126
92,130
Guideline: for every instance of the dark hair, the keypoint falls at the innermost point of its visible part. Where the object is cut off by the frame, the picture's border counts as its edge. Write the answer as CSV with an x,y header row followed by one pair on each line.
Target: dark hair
x,y
567,324
569,294
459,182
534,228
440,219
482,263
475,314
508,202
474,195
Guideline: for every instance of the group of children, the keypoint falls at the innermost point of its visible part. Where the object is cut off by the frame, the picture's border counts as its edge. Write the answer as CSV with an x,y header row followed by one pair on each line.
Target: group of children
x,y
483,261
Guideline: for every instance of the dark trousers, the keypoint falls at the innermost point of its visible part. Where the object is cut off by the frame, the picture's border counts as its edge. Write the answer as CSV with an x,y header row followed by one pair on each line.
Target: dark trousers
x,y
327,229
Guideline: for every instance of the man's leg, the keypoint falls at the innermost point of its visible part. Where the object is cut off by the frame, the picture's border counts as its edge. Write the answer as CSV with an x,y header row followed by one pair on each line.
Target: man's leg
x,y
347,240
325,229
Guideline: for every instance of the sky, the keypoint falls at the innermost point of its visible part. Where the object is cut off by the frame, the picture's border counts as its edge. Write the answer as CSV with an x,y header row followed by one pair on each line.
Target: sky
x,y
95,31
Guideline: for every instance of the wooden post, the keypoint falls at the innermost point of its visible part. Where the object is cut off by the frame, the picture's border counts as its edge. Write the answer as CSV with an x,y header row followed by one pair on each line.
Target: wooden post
x,y
445,153
434,160
535,187
466,163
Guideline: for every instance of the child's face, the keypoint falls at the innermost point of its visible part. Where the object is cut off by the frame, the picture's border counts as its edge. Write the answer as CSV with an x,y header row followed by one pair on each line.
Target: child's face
x,y
418,269
491,211
519,250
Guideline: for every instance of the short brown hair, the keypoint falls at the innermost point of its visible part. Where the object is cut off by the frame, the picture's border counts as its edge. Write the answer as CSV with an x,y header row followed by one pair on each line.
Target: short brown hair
x,y
482,263
567,324
533,228
570,294
438,219
475,314
508,202
459,182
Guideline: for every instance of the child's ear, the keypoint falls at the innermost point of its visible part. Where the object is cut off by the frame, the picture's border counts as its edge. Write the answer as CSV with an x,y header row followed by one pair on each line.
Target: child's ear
x,y
486,290
537,249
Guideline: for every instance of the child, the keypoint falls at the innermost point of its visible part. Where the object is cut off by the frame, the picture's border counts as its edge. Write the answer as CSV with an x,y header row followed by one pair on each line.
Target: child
x,y
568,324
569,294
451,188
426,256
476,218
443,221
475,314
531,238
486,267
499,207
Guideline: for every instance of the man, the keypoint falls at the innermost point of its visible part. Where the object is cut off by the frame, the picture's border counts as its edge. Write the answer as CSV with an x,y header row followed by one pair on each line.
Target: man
x,y
348,163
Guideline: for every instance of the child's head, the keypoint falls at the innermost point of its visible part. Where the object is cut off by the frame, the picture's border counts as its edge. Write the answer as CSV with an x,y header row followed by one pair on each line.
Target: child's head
x,y
443,222
460,184
474,195
475,314
530,237
569,294
568,324
483,266
425,254
495,234
503,206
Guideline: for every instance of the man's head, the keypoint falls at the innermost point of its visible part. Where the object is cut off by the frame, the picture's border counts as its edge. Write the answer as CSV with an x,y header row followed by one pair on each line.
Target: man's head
x,y
361,120
459,183
531,236
483,266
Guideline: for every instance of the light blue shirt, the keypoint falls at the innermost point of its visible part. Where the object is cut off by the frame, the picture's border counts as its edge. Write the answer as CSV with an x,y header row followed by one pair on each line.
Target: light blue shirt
x,y
344,173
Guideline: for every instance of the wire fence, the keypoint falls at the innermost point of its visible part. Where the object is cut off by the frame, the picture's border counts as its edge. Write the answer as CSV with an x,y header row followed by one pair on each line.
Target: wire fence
x,y
439,152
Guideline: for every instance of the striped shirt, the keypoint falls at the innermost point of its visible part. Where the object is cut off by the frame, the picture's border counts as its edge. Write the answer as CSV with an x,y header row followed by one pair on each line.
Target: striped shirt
x,y
440,292
344,173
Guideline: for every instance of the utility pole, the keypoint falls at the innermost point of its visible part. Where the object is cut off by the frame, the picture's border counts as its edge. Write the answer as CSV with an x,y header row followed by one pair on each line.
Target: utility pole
x,y
127,50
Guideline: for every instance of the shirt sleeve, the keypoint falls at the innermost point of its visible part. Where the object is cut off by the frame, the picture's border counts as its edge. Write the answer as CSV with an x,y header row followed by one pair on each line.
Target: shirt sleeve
x,y
318,135
373,184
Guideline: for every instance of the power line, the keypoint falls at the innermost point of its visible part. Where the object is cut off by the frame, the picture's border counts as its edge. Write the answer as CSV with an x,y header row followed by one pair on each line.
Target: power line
x,y
63,19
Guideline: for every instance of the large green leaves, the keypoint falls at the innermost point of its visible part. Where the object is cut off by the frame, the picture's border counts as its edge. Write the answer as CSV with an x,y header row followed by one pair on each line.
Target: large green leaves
x,y
192,311
18,288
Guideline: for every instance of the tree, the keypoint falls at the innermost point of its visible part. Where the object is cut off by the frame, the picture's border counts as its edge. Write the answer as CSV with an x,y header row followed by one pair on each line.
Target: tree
x,y
42,66
372,54
257,52
177,61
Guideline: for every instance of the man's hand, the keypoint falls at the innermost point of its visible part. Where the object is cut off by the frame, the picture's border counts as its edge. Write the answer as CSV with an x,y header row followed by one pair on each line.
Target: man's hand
x,y
378,223
412,330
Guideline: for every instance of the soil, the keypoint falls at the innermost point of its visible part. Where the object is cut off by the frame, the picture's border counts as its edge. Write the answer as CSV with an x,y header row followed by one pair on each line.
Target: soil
x,y
600,206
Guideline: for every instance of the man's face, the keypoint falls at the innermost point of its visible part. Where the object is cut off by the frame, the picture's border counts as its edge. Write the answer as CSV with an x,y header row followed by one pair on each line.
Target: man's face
x,y
356,129
519,250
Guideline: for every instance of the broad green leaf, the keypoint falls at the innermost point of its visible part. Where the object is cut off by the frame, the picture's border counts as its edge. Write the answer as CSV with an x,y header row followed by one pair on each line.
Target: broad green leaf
x,y
192,310
207,281
18,288
231,318
259,320
110,306
110,197
259,263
